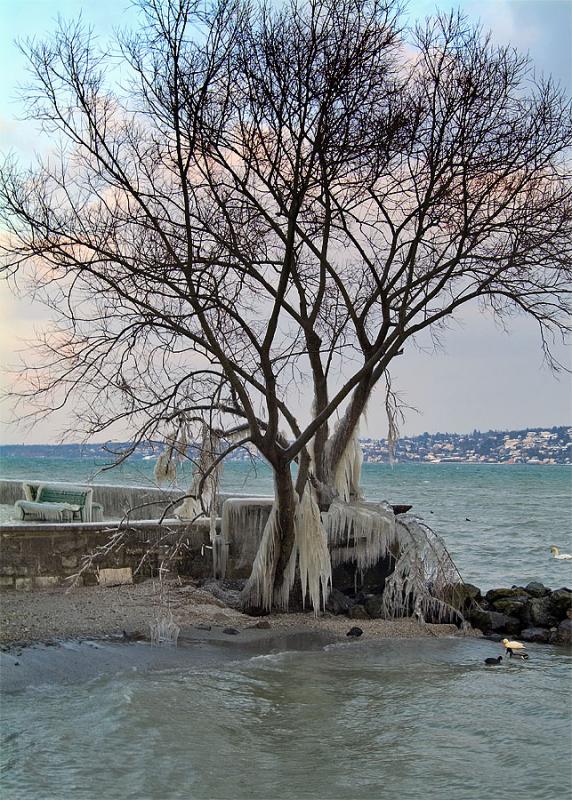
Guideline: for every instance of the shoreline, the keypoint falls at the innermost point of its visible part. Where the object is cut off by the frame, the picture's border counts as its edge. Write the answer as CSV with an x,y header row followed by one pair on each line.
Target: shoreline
x,y
45,616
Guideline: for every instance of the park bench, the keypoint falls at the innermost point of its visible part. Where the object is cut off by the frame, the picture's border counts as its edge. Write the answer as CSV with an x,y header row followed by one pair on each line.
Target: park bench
x,y
58,503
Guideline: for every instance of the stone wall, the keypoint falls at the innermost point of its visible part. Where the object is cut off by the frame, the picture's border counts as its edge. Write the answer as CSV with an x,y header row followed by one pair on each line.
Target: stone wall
x,y
41,554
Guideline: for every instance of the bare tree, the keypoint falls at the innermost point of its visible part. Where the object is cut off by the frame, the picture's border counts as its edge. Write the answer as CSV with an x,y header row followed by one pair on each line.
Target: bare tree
x,y
243,197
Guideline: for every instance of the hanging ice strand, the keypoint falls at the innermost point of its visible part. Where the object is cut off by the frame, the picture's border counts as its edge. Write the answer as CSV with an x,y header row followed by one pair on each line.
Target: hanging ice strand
x,y
166,466
202,495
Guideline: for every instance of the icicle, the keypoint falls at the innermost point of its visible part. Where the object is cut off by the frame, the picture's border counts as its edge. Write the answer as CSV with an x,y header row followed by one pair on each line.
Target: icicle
x,y
166,466
359,532
348,471
164,630
313,554
259,587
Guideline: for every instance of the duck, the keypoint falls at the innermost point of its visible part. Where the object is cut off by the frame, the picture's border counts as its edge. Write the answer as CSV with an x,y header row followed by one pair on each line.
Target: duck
x,y
514,649
517,654
512,645
493,661
560,556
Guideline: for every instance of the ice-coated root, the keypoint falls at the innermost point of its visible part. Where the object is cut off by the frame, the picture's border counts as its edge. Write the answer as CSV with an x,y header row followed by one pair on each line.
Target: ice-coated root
x,y
220,555
359,532
348,470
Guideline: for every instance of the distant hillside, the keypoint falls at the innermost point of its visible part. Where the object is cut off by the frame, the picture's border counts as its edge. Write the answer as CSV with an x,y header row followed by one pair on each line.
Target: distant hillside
x,y
526,446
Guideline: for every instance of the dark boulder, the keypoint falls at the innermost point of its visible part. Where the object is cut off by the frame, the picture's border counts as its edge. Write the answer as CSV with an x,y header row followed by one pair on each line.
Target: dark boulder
x,y
560,603
497,594
539,612
231,631
564,633
373,605
540,635
461,595
536,589
488,621
355,631
512,606
338,603
358,612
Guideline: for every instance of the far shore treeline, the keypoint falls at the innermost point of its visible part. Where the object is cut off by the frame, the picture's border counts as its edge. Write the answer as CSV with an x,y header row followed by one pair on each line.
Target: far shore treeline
x,y
524,446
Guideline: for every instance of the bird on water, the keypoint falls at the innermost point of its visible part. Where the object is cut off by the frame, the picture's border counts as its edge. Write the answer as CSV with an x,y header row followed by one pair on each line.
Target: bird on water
x,y
515,649
493,661
560,556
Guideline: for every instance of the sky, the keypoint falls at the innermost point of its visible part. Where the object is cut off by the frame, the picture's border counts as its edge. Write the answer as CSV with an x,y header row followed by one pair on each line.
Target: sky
x,y
483,377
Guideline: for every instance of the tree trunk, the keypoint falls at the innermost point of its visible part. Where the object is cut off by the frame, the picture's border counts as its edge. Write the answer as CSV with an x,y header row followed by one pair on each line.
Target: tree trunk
x,y
273,572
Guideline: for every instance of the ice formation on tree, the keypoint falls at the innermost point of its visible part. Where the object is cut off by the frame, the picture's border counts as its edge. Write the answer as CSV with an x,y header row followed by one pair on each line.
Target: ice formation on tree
x,y
363,533
164,630
166,466
348,470
360,532
311,544
310,552
423,575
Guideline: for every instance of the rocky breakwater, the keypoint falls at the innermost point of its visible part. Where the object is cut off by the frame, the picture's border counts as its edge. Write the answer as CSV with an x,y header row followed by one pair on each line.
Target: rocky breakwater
x,y
533,612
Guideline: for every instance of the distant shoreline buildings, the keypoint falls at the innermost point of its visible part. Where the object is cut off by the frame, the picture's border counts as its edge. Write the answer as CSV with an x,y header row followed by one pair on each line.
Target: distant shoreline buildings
x,y
526,446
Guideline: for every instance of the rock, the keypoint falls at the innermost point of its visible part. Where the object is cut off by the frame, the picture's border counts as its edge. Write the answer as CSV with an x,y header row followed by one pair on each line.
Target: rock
x,y
338,603
358,612
461,595
373,605
512,606
494,621
564,633
536,589
354,632
401,509
561,603
263,624
541,635
346,577
231,631
202,626
540,613
497,594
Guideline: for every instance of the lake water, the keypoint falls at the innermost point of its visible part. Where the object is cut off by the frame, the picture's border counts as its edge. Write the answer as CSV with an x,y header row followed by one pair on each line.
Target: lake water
x,y
389,719
498,521
369,720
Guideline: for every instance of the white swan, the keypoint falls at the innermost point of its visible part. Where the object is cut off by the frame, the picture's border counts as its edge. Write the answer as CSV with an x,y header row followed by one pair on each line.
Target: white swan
x,y
558,555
